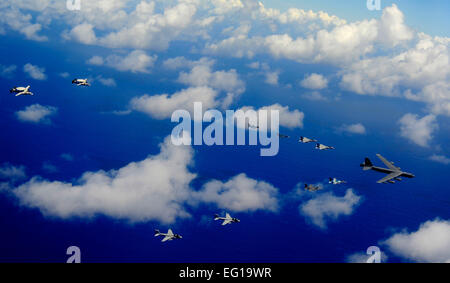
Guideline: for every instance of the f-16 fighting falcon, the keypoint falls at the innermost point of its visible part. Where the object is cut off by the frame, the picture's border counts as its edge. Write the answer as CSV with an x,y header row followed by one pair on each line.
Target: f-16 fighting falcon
x,y
394,173
306,140
21,91
323,147
312,188
227,219
81,82
167,237
335,181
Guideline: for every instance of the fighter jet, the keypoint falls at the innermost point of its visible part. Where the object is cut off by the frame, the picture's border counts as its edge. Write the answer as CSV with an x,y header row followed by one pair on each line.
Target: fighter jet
x,y
167,237
394,173
306,140
312,188
323,147
335,181
81,82
227,219
21,91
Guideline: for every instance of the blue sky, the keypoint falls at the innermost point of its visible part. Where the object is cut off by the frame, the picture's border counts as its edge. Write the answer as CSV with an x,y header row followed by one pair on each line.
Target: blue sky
x,y
95,168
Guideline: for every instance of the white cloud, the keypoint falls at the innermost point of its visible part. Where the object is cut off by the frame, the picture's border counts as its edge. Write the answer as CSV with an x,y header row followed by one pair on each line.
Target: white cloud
x,y
240,194
36,113
136,61
181,63
162,106
96,60
272,78
329,207
358,129
289,119
64,75
440,158
201,75
17,21
153,189
84,33
418,130
420,74
35,72
12,173
7,71
431,243
107,81
314,81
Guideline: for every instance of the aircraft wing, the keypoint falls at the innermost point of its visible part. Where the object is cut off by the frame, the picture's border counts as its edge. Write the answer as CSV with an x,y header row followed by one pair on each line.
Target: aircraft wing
x,y
170,233
226,222
167,238
387,163
389,177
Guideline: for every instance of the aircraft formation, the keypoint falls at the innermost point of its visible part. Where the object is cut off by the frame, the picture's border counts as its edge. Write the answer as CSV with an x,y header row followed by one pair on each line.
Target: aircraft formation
x,y
393,172
170,236
19,91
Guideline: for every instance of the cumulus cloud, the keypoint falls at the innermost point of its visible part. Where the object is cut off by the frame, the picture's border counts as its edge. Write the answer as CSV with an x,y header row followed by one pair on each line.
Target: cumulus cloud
x,y
240,194
418,130
329,207
181,62
36,114
357,129
162,106
155,189
289,119
7,71
84,33
136,61
314,81
429,244
272,78
223,81
107,81
440,158
12,173
35,72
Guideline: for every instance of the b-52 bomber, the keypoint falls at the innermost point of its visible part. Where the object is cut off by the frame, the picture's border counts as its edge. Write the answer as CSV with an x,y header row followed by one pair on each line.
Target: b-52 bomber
x,y
394,173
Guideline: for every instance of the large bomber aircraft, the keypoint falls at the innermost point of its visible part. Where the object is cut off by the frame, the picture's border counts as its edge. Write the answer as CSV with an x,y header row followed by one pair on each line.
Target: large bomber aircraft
x,y
394,173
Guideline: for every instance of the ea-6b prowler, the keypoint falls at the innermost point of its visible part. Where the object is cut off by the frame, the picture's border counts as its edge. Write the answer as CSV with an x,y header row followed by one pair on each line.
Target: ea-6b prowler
x,y
394,173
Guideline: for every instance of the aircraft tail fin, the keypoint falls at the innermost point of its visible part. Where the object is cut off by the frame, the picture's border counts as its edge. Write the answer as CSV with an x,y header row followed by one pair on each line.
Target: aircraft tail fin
x,y
367,165
216,216
157,233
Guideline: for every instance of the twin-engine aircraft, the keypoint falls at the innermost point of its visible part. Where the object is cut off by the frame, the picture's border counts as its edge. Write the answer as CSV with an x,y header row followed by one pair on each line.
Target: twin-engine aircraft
x,y
21,91
167,237
227,219
394,173
81,82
